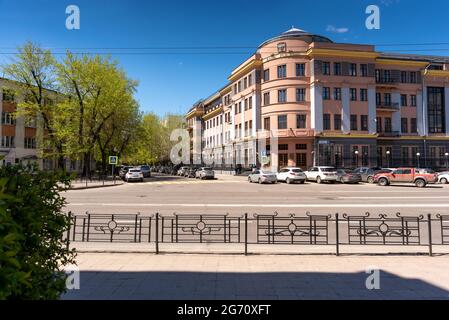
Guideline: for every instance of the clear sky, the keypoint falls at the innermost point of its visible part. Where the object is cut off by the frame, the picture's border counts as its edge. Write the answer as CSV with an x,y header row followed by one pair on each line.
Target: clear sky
x,y
171,74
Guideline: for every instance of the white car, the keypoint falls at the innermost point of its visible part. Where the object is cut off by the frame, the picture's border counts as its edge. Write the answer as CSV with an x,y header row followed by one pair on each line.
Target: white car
x,y
291,174
262,176
443,177
321,174
134,174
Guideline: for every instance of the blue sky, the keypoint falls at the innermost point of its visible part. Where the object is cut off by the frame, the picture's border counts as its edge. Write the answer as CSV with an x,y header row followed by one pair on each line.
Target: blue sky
x,y
171,79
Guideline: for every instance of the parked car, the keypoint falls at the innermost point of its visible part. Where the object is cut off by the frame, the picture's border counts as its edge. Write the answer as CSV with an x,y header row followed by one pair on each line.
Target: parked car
x,y
348,176
182,171
420,177
205,173
367,174
123,171
443,177
134,174
262,176
322,174
291,175
190,173
146,171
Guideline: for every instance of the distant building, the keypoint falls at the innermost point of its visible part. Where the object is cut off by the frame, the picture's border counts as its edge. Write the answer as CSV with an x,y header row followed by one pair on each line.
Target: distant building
x,y
344,105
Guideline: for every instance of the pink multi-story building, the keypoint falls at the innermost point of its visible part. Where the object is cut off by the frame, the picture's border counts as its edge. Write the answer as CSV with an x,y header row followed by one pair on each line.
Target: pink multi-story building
x,y
328,103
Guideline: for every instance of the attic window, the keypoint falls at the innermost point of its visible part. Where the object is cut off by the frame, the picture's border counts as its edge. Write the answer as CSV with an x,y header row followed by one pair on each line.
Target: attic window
x,y
282,47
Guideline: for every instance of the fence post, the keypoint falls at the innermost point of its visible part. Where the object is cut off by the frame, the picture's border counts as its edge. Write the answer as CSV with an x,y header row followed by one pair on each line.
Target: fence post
x,y
337,236
246,234
157,233
429,223
68,231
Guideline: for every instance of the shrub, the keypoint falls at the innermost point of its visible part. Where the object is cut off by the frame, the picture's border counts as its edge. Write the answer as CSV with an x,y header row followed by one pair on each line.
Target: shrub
x,y
33,244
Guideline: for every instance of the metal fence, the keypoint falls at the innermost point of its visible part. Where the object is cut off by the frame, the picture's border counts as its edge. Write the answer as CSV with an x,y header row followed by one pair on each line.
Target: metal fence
x,y
319,230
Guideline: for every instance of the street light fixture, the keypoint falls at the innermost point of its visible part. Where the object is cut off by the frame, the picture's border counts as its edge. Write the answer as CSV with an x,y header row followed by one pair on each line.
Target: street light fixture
x,y
447,160
417,156
356,152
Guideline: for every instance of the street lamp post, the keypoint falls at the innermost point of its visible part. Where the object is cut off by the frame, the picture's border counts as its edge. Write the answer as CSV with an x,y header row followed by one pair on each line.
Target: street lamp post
x,y
388,157
356,152
417,157
447,160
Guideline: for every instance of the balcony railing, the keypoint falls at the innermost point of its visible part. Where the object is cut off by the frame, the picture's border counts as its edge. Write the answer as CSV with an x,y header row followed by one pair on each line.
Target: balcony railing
x,y
389,134
382,80
388,106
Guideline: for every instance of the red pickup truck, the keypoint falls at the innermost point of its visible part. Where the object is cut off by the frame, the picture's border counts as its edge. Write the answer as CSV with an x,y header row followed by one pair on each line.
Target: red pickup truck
x,y
420,177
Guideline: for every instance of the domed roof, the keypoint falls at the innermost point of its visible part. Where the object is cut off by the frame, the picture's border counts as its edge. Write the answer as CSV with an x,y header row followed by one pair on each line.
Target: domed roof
x,y
298,34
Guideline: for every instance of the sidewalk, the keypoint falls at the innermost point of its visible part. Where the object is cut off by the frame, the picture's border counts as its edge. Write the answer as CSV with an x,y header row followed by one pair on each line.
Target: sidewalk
x,y
258,277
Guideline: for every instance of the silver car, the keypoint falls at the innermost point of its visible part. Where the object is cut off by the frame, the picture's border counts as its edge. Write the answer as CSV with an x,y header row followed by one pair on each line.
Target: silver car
x,y
290,175
205,173
262,176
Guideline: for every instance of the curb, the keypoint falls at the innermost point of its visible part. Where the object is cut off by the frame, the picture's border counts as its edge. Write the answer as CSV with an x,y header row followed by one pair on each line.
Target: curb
x,y
96,187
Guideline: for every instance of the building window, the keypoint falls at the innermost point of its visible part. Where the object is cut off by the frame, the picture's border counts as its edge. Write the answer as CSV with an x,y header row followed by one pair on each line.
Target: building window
x,y
404,125
364,70
301,146
301,121
8,141
301,160
266,98
364,122
353,94
378,124
337,94
413,100
8,118
246,104
413,77
282,95
378,99
435,109
326,68
282,121
326,93
413,126
300,94
353,69
30,143
403,100
282,71
266,75
337,121
266,123
337,68
354,122
239,86
403,76
283,147
250,80
8,95
363,94
405,156
300,69
250,102
326,121
387,124
245,83
387,99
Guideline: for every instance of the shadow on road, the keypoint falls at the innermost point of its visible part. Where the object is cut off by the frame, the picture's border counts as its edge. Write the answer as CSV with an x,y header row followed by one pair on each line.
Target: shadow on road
x,y
263,285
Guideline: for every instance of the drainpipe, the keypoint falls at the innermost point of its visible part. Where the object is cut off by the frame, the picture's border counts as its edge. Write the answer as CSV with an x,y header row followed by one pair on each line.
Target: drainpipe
x,y
424,116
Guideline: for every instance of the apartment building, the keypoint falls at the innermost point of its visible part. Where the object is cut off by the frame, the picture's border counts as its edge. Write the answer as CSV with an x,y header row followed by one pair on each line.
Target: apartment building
x,y
344,105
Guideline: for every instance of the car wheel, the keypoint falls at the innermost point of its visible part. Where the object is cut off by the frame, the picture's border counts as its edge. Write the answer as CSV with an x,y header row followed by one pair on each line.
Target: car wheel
x,y
420,183
302,181
249,180
288,181
141,180
443,180
318,179
370,180
260,181
383,182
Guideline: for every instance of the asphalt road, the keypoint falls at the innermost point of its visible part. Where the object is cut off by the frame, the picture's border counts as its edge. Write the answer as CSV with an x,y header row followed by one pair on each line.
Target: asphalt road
x,y
234,195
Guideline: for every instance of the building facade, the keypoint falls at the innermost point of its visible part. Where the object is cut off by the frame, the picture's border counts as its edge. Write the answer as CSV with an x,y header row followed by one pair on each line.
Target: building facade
x,y
343,105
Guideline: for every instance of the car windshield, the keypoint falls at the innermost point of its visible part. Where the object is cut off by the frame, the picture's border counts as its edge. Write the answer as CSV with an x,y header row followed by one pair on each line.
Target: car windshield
x,y
296,170
145,168
266,172
207,169
134,170
327,169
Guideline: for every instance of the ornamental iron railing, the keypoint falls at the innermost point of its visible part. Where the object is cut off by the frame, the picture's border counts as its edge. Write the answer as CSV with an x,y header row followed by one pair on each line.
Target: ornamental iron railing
x,y
259,229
